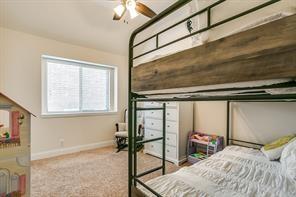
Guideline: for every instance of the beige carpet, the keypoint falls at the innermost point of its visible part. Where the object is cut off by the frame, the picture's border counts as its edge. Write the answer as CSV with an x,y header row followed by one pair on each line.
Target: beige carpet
x,y
95,173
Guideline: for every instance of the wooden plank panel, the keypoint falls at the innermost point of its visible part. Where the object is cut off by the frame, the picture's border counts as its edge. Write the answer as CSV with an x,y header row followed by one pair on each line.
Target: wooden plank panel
x,y
261,53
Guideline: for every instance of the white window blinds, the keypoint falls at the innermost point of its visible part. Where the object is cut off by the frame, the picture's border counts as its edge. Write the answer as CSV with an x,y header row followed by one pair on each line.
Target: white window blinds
x,y
95,89
77,87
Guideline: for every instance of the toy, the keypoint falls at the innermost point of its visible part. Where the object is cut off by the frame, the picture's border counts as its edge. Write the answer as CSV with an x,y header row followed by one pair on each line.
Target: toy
x,y
201,146
14,149
204,138
5,135
199,155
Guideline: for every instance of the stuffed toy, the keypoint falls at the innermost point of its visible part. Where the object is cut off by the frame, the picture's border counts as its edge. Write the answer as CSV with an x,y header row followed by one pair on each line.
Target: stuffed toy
x,y
202,138
5,135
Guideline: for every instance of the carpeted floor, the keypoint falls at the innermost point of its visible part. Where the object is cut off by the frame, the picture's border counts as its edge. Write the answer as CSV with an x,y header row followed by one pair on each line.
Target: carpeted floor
x,y
94,173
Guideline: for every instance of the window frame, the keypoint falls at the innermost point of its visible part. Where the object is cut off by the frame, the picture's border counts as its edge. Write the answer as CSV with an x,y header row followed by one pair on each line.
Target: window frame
x,y
113,88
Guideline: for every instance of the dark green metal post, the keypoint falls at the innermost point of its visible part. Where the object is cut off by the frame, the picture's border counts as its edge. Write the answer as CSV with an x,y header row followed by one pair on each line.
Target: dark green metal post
x,y
209,16
130,118
135,141
228,123
164,137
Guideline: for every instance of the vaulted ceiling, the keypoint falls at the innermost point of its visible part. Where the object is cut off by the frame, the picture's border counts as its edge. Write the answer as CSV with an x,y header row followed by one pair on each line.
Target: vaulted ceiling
x,y
81,22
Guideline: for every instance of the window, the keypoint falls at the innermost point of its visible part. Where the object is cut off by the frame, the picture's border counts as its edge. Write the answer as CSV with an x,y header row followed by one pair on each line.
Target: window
x,y
75,87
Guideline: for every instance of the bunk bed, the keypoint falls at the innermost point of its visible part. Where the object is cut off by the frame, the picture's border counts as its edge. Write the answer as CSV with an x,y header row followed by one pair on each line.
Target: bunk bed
x,y
255,65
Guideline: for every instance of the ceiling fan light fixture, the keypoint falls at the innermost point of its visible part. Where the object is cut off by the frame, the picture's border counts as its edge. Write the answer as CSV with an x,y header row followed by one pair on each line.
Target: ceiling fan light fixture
x,y
131,7
133,13
130,4
134,8
119,10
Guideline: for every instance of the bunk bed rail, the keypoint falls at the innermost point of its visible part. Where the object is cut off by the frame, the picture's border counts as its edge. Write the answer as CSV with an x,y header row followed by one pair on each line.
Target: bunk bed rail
x,y
177,6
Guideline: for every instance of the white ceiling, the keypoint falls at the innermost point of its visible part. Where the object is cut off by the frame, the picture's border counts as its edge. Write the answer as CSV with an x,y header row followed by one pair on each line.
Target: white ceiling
x,y
81,22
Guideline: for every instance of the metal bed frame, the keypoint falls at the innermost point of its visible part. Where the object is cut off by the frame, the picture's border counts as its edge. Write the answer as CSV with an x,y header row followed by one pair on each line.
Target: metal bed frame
x,y
252,94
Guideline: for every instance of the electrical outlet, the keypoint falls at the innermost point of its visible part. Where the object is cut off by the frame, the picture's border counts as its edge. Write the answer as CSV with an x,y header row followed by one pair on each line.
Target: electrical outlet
x,y
62,142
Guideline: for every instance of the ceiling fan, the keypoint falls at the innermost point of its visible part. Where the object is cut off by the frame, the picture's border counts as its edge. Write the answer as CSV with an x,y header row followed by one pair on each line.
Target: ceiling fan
x,y
134,7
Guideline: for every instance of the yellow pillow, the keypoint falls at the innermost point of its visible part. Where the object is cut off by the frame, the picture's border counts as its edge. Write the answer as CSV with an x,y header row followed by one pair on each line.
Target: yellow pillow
x,y
279,142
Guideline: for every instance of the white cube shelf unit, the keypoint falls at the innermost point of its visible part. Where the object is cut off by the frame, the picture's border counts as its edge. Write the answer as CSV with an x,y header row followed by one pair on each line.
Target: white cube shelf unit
x,y
179,122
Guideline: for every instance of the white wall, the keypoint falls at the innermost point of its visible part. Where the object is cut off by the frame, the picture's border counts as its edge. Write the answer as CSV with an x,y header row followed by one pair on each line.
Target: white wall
x,y
20,78
254,122
263,122
210,117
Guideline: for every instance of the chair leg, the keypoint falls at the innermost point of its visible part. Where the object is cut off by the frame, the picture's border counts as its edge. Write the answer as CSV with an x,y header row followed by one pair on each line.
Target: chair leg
x,y
117,142
121,144
140,147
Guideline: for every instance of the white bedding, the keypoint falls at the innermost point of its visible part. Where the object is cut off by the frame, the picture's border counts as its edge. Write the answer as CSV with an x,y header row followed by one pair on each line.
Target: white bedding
x,y
235,171
245,27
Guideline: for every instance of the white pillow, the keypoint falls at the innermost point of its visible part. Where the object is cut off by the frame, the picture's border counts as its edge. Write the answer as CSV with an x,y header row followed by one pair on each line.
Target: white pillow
x,y
273,154
274,150
288,160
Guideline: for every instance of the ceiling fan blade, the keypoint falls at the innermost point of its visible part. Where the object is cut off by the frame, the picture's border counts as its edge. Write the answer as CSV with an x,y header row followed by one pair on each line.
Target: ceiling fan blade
x,y
143,9
116,17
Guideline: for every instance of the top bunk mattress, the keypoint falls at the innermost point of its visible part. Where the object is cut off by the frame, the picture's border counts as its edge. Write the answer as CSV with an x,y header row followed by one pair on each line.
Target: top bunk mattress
x,y
235,171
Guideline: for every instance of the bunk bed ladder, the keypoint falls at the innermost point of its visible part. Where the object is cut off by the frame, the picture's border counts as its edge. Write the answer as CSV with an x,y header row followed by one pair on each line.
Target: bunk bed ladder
x,y
136,143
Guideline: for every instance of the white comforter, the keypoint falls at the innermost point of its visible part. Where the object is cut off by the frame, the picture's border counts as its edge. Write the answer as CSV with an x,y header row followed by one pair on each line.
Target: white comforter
x,y
235,171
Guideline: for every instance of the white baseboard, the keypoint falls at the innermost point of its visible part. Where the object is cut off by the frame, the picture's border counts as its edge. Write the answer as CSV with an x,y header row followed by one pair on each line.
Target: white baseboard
x,y
69,150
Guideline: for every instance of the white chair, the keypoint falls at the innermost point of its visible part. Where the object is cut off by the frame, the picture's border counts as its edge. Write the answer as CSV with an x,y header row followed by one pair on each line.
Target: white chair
x,y
121,134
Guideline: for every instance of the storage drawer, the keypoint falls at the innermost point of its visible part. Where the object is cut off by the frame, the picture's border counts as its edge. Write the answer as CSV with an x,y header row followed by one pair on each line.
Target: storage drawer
x,y
171,104
154,114
152,104
149,134
171,114
171,139
159,104
171,127
171,152
155,147
153,124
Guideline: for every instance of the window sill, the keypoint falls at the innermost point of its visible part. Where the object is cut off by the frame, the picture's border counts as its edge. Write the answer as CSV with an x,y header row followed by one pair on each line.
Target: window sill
x,y
78,114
